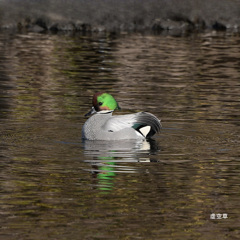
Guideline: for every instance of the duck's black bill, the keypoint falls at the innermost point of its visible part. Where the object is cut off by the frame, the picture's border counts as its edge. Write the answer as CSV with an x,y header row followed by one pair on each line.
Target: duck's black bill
x,y
92,111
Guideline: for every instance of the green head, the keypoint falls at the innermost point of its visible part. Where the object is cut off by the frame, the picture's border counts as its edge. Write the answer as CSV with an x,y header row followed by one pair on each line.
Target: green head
x,y
104,101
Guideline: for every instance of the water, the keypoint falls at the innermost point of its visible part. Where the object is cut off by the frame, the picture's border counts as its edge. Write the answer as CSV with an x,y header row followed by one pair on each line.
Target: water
x,y
54,186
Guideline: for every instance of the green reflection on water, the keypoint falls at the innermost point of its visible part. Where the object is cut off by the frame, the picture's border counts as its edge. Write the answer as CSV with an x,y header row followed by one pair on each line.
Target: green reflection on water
x,y
106,175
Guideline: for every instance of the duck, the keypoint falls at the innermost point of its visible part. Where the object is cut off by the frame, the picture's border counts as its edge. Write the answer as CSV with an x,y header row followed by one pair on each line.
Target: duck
x,y
102,125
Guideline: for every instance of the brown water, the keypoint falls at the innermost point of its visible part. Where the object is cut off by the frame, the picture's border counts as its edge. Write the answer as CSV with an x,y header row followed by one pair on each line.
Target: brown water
x,y
54,186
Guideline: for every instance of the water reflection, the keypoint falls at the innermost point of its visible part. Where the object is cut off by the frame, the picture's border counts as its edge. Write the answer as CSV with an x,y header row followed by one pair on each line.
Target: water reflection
x,y
111,157
127,149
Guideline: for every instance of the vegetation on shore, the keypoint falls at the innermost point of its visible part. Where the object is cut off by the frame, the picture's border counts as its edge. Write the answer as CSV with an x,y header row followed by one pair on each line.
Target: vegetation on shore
x,y
124,15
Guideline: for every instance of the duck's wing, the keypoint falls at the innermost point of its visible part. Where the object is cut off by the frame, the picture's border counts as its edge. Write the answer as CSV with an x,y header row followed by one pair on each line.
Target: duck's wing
x,y
145,123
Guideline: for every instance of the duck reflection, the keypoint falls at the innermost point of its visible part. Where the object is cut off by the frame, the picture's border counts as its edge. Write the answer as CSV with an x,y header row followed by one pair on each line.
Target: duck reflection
x,y
108,158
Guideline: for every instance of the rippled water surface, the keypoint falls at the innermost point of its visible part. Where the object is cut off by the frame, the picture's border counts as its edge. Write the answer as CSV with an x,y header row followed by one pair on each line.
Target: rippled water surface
x,y
54,186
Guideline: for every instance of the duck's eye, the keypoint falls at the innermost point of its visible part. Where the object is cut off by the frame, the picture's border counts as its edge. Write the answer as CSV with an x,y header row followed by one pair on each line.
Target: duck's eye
x,y
100,103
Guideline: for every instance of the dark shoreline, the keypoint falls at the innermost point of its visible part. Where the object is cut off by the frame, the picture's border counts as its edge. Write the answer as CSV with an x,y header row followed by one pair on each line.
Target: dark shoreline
x,y
124,16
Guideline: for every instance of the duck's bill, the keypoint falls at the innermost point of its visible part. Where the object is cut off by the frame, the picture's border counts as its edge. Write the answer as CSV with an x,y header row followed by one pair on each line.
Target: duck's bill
x,y
92,111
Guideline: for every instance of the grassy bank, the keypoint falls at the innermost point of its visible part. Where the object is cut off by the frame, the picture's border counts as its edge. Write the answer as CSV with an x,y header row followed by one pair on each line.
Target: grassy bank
x,y
124,15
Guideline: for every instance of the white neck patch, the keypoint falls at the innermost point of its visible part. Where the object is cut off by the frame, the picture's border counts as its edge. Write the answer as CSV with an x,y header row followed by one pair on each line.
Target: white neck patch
x,y
105,111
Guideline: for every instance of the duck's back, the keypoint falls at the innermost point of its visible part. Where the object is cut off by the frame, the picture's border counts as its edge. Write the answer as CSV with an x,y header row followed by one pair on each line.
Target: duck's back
x,y
104,126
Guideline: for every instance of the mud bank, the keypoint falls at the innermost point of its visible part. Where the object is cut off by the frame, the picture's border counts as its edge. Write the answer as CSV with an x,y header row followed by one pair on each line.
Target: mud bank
x,y
116,16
